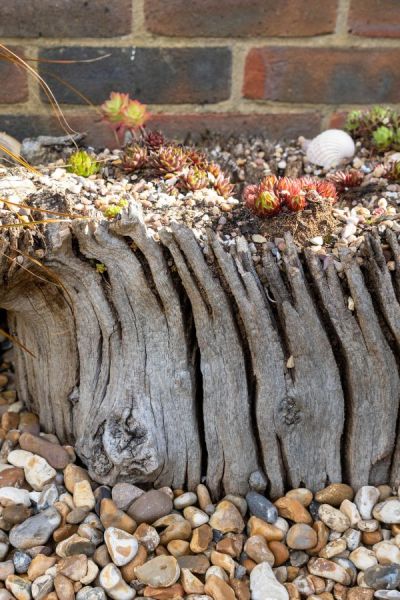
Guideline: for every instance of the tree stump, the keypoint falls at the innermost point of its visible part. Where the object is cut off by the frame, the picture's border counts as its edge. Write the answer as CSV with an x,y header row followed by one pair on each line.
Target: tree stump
x,y
180,362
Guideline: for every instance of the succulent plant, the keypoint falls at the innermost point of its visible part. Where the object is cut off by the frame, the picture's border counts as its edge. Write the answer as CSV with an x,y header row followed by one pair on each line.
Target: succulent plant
x,y
81,163
196,158
346,179
194,179
377,128
223,186
123,113
214,169
169,159
154,140
383,138
113,210
327,189
295,198
262,200
135,157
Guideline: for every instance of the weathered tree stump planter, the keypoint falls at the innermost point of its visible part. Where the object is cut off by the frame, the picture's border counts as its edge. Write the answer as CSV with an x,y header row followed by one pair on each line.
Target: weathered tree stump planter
x,y
175,364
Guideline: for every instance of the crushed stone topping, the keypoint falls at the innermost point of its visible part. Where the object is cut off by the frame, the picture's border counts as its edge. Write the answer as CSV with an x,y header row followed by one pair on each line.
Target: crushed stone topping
x,y
74,538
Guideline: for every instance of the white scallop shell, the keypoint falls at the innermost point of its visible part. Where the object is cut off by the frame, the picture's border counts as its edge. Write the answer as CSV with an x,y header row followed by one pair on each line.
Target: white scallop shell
x,y
330,147
10,143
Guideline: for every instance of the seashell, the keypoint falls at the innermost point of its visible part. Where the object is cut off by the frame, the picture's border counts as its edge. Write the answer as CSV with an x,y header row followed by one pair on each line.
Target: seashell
x,y
10,143
330,147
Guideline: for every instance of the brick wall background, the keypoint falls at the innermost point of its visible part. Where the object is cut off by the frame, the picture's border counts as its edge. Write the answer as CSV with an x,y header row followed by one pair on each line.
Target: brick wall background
x,y
284,67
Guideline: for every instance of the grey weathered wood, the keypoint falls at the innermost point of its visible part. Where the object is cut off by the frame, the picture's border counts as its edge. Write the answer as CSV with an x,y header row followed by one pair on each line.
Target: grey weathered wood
x,y
173,365
229,433
310,418
364,392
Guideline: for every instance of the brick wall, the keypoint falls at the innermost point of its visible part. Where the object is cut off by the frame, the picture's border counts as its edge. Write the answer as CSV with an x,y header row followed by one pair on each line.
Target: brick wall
x,y
284,67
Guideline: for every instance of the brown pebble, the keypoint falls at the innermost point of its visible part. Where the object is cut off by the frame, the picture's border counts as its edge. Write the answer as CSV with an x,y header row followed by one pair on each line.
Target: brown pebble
x,y
9,420
198,563
241,588
301,537
322,537
174,592
13,436
64,587
128,571
39,566
14,514
101,556
29,423
203,496
218,589
161,551
64,532
232,544
55,454
290,508
257,549
359,593
178,548
218,559
334,494
201,538
249,565
73,474
111,516
280,552
12,477
303,495
369,538
256,526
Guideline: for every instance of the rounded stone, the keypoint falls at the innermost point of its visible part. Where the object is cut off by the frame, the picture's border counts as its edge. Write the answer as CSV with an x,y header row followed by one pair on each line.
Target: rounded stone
x,y
111,581
261,507
36,530
150,506
162,571
185,500
264,585
91,593
301,537
227,518
365,499
334,494
21,560
123,494
383,577
333,518
387,511
121,546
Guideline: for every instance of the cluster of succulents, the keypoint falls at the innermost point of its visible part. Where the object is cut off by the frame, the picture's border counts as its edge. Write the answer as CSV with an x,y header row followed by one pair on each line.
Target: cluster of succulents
x,y
189,169
344,180
83,164
113,210
276,194
378,128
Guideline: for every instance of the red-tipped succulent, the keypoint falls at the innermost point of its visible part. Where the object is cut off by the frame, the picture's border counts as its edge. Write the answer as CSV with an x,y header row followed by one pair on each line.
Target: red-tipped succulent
x,y
154,140
295,200
194,179
262,199
346,179
327,189
135,157
169,159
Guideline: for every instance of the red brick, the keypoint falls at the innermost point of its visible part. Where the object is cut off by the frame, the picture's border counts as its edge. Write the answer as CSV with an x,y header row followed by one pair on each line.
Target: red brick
x,y
231,18
65,18
323,75
13,80
182,127
375,18
153,75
